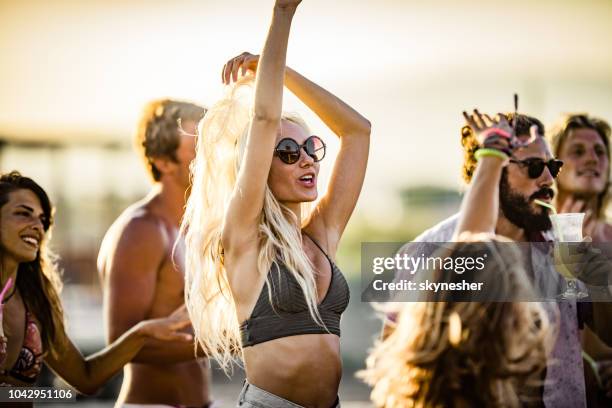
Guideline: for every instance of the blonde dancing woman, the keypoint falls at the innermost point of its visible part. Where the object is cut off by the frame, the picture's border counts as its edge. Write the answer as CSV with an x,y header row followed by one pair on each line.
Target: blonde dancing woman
x,y
261,278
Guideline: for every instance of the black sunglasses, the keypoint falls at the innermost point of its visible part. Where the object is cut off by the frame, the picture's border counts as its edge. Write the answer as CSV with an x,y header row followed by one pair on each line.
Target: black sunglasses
x,y
535,167
288,150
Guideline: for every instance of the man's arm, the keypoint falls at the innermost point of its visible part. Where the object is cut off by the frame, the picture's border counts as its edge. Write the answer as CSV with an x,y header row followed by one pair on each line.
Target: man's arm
x,y
129,281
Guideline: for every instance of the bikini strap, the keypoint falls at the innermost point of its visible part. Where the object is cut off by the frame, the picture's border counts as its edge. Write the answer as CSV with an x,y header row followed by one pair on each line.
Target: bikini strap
x,y
6,288
318,246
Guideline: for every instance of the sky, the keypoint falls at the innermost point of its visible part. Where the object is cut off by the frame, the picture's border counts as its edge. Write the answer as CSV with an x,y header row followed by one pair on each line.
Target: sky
x,y
80,71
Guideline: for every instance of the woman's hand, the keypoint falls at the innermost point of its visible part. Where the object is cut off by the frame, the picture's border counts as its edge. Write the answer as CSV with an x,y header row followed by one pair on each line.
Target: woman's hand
x,y
167,329
241,63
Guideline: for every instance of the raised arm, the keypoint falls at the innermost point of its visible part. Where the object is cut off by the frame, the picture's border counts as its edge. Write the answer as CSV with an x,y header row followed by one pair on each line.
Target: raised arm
x,y
88,374
247,199
480,205
335,208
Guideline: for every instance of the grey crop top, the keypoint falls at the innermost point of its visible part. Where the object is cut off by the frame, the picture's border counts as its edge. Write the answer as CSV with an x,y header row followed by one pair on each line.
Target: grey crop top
x,y
290,315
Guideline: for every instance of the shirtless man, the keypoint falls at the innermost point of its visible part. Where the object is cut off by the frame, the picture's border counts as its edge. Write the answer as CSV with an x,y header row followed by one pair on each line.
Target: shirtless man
x,y
141,277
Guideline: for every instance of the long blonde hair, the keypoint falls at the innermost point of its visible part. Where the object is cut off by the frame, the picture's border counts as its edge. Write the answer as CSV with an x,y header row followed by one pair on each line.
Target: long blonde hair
x,y
220,148
456,354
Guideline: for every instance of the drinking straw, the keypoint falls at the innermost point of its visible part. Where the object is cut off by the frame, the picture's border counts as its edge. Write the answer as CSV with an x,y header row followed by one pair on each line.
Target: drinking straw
x,y
594,367
554,211
549,206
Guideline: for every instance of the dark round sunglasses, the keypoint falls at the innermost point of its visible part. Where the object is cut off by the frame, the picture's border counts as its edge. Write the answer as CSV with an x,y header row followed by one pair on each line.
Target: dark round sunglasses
x,y
288,150
535,167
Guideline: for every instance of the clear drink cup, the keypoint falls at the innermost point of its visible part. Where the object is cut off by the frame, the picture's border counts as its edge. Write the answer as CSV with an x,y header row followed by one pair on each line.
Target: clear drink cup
x,y
567,227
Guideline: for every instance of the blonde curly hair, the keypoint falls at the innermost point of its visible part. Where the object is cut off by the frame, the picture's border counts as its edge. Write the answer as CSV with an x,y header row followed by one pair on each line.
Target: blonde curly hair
x,y
464,354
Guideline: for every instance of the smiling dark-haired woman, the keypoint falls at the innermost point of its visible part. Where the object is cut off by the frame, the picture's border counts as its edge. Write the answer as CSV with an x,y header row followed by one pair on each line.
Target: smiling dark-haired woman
x,y
31,316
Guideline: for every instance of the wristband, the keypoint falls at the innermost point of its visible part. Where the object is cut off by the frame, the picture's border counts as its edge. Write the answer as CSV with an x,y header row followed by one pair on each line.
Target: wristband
x,y
495,142
490,152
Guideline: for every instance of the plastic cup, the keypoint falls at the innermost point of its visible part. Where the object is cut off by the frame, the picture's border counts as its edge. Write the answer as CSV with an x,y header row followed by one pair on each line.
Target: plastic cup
x,y
567,227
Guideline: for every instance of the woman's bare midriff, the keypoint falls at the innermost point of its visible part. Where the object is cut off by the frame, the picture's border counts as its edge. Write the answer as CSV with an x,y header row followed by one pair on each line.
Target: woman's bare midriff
x,y
304,369
171,384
